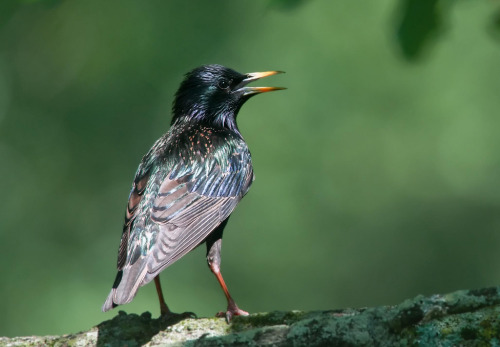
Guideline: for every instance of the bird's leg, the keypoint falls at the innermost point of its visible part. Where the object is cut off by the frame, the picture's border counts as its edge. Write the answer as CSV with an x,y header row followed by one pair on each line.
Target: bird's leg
x,y
213,258
164,310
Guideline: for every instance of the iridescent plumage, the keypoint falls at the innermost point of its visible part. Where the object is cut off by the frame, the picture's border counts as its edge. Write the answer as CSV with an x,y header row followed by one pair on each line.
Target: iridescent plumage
x,y
188,183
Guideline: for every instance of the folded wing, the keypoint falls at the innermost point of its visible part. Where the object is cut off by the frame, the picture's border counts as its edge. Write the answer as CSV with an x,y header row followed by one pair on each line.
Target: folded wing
x,y
170,214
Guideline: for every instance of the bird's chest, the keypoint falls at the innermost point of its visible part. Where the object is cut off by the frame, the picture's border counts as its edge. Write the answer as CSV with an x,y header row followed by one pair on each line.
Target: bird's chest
x,y
204,148
215,163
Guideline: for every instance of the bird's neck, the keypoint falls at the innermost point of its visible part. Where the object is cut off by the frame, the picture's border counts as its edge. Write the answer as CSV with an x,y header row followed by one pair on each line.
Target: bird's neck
x,y
221,120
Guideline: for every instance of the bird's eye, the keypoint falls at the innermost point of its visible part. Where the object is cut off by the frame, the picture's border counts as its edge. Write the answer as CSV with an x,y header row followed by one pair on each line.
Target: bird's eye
x,y
223,84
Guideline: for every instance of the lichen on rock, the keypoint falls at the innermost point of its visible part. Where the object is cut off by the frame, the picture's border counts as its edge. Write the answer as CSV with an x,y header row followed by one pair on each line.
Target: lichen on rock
x,y
467,317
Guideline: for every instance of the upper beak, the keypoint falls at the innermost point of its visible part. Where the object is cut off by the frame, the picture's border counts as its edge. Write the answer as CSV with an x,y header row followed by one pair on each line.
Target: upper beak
x,y
253,76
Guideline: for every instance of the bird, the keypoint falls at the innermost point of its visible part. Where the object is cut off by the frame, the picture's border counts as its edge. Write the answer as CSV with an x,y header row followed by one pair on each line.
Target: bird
x,y
188,184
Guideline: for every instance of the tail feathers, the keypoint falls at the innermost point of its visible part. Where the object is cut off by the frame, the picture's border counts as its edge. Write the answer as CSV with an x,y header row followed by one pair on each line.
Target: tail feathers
x,y
125,287
109,304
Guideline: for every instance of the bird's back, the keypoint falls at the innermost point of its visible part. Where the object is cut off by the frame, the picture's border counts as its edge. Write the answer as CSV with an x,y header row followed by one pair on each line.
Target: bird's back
x,y
186,185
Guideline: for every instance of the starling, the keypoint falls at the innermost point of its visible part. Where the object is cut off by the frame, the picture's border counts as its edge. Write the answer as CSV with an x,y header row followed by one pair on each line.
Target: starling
x,y
188,184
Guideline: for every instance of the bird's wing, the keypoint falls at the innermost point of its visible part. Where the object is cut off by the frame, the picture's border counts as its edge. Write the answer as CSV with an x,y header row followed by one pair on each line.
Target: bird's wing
x,y
135,197
186,216
141,182
192,200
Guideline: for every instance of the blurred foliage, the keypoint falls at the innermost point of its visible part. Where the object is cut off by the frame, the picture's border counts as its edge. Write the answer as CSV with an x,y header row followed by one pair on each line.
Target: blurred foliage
x,y
376,179
495,25
421,22
287,4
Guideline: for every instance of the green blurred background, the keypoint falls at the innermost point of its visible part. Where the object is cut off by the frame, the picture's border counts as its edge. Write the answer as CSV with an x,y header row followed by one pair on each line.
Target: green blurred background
x,y
376,171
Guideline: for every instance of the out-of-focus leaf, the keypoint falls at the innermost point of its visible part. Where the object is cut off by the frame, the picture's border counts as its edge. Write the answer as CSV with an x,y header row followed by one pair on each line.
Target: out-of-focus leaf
x,y
494,27
421,21
287,4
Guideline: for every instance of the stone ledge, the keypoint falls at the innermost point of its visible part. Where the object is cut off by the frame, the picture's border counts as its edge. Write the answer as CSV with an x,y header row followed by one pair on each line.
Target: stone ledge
x,y
466,317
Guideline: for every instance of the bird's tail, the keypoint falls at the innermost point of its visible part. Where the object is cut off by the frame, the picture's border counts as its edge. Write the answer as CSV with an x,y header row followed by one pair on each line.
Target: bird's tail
x,y
126,284
109,303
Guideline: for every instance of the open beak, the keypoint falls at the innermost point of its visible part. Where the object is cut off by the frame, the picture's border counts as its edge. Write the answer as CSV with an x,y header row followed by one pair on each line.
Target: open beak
x,y
253,76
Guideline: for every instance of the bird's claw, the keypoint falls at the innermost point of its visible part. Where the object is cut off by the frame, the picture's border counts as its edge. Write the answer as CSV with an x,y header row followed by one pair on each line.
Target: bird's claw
x,y
189,315
234,311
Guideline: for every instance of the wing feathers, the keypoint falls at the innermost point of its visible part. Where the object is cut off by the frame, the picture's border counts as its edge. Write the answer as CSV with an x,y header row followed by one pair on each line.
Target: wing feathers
x,y
135,198
169,249
174,205
183,203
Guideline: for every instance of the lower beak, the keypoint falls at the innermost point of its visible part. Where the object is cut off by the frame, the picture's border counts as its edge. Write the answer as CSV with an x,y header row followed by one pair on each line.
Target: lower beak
x,y
253,77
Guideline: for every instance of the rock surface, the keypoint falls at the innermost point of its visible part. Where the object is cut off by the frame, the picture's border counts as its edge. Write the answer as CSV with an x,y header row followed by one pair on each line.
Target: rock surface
x,y
462,318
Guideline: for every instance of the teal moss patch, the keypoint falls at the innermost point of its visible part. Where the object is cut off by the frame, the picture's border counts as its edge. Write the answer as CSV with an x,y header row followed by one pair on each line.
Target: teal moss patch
x,y
482,328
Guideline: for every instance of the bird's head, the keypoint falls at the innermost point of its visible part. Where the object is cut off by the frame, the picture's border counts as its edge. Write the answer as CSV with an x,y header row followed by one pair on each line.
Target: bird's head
x,y
214,94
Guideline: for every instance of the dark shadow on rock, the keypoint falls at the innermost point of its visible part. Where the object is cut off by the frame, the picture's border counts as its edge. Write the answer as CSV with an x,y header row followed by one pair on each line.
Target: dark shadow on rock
x,y
131,329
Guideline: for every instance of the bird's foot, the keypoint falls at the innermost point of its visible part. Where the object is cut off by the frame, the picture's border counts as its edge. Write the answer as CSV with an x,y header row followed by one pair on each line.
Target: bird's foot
x,y
166,314
232,310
